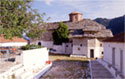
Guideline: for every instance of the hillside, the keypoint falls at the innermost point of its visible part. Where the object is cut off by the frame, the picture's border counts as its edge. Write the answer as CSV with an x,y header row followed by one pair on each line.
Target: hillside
x,y
103,21
116,25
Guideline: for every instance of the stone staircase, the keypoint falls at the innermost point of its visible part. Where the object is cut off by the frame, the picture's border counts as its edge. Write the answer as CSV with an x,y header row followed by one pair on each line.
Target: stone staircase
x,y
99,72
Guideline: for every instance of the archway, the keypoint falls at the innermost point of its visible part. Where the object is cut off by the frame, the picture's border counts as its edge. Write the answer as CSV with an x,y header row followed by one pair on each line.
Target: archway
x,y
39,43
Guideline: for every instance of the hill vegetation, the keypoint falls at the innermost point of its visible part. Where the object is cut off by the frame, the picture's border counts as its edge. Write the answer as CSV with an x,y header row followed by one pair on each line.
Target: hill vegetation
x,y
116,25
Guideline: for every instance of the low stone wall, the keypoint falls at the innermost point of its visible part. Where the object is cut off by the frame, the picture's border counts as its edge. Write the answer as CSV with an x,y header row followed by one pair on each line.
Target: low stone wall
x,y
35,58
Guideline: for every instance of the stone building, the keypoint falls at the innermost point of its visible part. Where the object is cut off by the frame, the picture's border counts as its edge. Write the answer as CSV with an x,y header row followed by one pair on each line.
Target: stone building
x,y
85,36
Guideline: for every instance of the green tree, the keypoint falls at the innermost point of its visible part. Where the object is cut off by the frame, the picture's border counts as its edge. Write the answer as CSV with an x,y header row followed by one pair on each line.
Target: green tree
x,y
17,16
60,35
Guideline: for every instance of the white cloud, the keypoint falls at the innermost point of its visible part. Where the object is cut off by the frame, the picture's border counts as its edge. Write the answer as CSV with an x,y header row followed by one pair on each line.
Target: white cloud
x,y
48,2
97,8
90,8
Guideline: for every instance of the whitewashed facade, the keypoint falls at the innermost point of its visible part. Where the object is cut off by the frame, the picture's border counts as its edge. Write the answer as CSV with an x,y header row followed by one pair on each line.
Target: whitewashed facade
x,y
48,44
114,56
13,44
87,47
65,48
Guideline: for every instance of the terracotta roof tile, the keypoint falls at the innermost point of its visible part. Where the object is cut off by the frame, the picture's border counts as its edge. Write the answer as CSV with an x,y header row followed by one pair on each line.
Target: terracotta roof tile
x,y
75,12
14,39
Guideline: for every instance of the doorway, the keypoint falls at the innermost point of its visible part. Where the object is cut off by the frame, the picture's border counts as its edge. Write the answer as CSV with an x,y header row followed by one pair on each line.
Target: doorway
x,y
113,56
39,43
121,61
91,53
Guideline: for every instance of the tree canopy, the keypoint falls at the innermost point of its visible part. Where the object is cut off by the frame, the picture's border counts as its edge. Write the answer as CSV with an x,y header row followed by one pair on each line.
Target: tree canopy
x,y
17,16
60,35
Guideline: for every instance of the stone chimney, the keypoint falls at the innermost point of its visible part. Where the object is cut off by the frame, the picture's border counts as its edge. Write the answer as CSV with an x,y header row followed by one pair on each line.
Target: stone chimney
x,y
75,16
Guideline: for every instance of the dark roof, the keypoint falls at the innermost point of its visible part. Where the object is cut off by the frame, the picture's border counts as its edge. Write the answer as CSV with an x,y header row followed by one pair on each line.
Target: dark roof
x,y
86,25
78,32
117,38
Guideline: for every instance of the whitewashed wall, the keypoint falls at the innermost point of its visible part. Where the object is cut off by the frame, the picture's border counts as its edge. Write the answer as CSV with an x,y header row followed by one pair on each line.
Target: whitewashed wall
x,y
35,57
16,44
48,44
87,45
65,48
82,51
31,66
95,44
59,49
108,55
83,48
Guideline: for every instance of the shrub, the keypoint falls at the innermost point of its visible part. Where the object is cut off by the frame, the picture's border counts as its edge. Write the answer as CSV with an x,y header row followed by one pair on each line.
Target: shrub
x,y
61,34
32,46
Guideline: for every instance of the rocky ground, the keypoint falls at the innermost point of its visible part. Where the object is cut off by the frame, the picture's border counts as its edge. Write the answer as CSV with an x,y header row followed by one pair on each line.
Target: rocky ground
x,y
67,68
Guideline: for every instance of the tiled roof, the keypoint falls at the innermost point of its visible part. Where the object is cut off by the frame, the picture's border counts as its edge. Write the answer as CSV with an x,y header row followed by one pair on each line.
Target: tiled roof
x,y
75,12
85,25
117,38
14,39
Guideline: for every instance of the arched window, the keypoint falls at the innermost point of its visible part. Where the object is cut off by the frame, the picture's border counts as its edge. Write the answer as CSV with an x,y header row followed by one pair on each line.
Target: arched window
x,y
39,43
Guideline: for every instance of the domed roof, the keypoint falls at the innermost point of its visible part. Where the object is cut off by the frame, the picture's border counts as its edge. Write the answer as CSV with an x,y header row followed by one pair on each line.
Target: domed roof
x,y
75,12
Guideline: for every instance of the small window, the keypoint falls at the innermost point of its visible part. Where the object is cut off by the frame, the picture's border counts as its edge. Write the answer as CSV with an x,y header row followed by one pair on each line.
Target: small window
x,y
102,52
81,45
78,48
76,18
100,45
39,43
71,41
66,45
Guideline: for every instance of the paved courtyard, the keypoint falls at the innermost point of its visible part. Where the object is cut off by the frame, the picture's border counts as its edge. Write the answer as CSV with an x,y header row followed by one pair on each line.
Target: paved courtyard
x,y
75,68
67,68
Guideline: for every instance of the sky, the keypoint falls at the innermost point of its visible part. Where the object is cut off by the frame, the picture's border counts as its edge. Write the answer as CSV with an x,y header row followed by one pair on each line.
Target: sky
x,y
58,10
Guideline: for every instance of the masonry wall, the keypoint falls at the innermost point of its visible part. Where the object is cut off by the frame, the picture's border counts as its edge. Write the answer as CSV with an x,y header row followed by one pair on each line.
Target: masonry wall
x,y
65,48
80,46
48,44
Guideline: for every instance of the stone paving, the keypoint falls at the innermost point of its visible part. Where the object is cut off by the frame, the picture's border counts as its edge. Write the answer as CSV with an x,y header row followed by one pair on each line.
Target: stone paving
x,y
66,69
99,72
